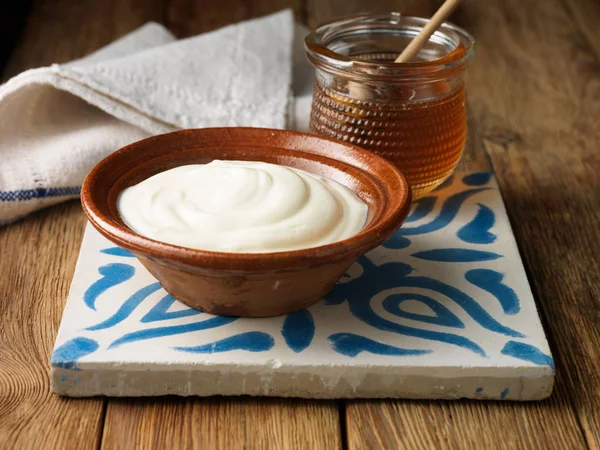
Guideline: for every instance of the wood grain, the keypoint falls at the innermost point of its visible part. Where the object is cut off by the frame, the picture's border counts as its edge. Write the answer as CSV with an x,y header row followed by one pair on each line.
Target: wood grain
x,y
541,129
473,425
464,424
221,423
58,31
585,14
188,17
319,11
31,305
38,254
534,98
12,21
523,112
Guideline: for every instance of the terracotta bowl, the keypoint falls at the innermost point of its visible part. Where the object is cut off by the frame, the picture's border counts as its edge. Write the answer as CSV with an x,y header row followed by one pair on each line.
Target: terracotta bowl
x,y
248,284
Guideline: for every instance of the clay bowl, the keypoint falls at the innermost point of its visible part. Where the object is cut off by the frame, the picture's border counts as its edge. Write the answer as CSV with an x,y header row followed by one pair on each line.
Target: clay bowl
x,y
245,284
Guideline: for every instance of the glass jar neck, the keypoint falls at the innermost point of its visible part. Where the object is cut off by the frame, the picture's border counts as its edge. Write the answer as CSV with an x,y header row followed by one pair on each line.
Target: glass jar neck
x,y
363,48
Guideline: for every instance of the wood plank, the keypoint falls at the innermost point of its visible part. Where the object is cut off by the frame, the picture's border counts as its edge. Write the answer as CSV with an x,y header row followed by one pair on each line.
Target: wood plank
x,y
227,423
31,305
406,424
464,424
585,14
58,31
12,21
187,17
540,128
221,423
38,254
469,424
319,11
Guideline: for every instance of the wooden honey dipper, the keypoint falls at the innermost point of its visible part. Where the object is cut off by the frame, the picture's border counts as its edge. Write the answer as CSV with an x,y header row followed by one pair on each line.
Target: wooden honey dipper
x,y
434,23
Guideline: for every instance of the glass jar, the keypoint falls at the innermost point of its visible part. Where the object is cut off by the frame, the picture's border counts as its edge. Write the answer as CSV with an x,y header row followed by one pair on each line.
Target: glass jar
x,y
411,113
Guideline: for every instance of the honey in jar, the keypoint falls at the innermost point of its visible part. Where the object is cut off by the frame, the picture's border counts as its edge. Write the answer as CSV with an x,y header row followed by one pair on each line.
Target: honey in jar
x,y
414,113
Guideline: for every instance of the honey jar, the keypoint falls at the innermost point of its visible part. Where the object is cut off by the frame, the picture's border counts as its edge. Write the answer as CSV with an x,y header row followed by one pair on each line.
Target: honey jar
x,y
414,113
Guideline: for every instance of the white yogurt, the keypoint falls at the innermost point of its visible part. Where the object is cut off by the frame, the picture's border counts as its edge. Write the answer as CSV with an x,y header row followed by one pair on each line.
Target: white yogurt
x,y
242,207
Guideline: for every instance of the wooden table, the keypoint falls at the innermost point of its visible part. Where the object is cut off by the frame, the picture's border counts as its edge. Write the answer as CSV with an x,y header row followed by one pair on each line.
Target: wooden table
x,y
534,99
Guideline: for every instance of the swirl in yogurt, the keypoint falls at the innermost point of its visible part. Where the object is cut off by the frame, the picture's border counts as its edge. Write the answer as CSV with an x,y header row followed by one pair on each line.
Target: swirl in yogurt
x,y
242,207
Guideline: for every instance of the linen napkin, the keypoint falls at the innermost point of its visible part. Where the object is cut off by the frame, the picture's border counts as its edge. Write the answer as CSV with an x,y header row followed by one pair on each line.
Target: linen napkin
x,y
57,122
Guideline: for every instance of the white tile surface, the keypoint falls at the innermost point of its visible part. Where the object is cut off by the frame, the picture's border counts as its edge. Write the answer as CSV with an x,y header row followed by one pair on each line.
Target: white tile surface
x,y
407,320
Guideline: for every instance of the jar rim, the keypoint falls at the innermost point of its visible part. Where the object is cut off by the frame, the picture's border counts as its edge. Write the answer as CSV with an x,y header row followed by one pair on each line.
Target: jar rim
x,y
320,55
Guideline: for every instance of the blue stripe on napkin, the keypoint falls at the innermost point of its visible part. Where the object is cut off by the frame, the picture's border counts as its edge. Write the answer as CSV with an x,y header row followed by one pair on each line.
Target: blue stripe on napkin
x,y
30,194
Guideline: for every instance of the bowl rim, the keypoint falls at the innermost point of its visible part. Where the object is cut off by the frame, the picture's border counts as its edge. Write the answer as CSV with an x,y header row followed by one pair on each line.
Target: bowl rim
x,y
369,237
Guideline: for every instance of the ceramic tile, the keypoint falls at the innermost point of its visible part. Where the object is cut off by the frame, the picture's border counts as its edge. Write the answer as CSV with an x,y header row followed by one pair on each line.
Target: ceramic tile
x,y
441,310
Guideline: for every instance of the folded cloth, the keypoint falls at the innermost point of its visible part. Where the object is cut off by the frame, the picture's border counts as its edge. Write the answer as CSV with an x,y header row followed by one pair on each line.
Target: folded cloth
x,y
57,122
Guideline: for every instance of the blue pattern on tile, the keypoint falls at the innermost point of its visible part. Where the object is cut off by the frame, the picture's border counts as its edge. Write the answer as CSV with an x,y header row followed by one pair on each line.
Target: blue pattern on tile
x,y
477,178
394,275
298,330
252,341
424,206
447,213
442,315
127,307
504,393
117,251
67,355
351,344
466,302
153,333
374,293
491,281
456,255
363,310
112,275
396,242
527,352
478,230
161,311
